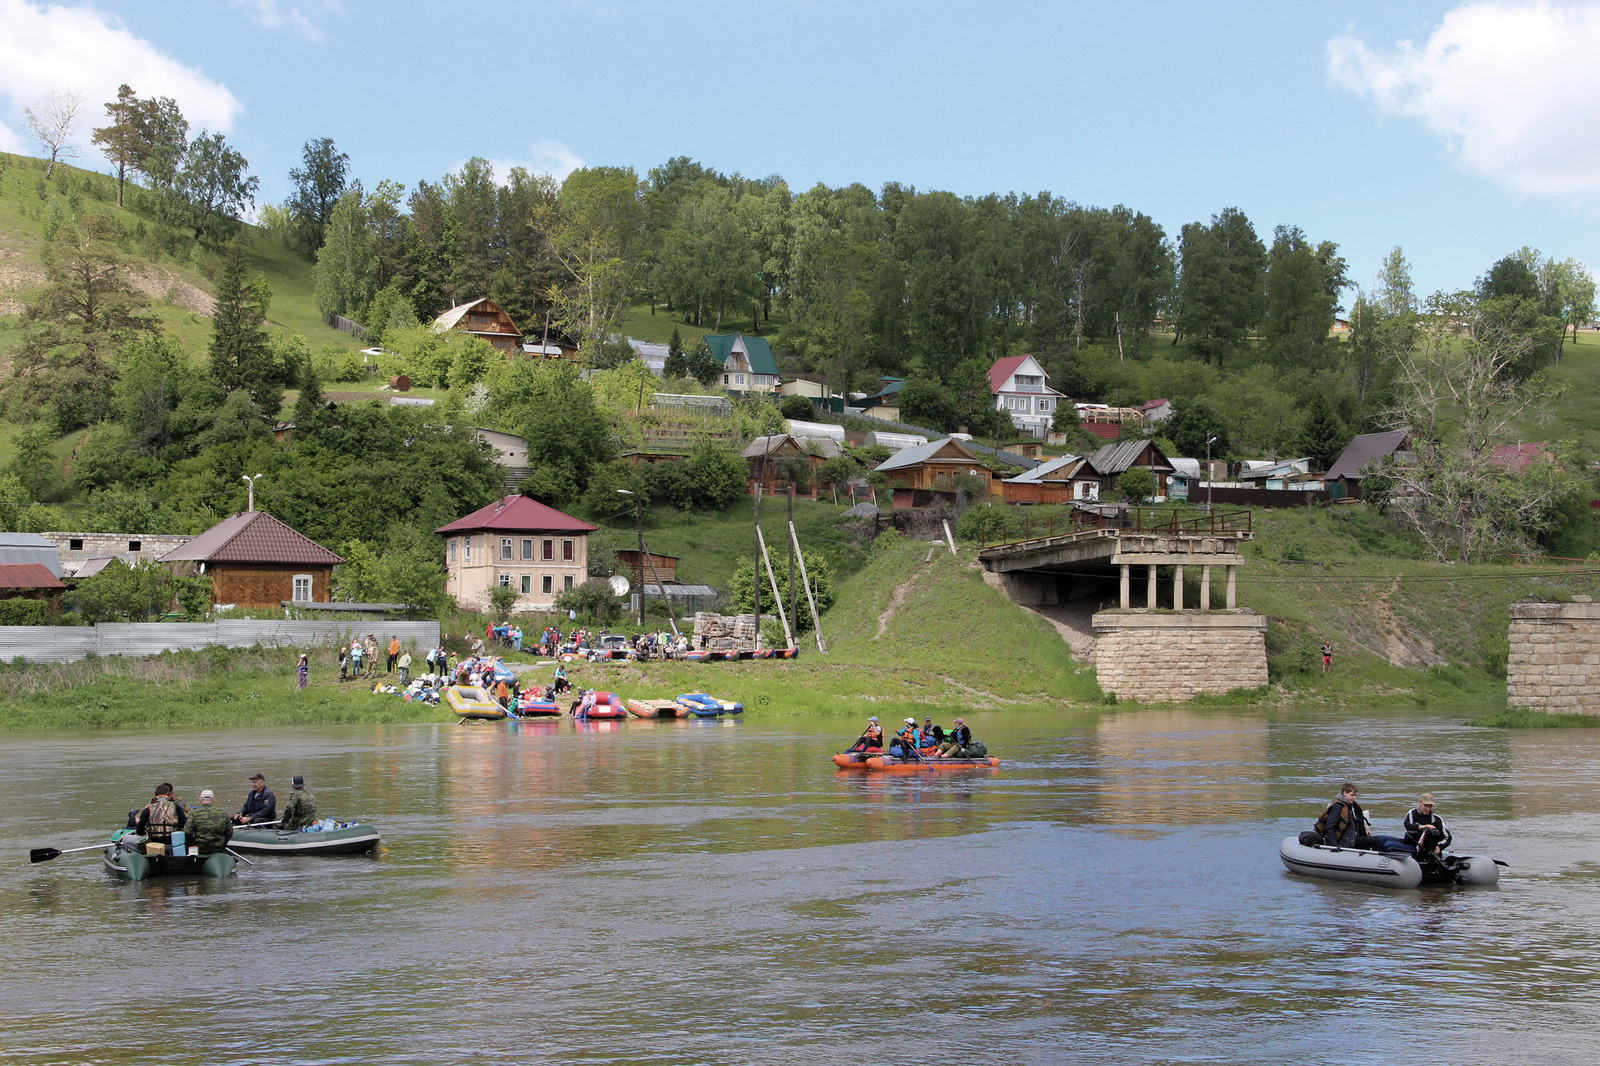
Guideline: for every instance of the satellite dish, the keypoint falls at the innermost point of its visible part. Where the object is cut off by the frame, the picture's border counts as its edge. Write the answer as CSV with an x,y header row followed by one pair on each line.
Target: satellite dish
x,y
619,585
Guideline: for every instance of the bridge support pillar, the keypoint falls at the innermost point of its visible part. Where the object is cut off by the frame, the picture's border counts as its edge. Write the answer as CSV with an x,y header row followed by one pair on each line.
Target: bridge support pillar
x,y
1127,596
1233,591
1150,588
1170,657
1177,587
1205,588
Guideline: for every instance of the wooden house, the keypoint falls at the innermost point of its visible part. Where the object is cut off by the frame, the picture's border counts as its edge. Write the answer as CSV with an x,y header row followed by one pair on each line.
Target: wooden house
x,y
1021,390
254,560
1067,479
1343,479
772,460
925,474
483,318
1112,461
642,571
748,365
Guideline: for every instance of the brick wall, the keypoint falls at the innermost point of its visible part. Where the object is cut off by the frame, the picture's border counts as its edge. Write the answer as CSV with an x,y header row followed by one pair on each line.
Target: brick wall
x,y
1554,662
1170,656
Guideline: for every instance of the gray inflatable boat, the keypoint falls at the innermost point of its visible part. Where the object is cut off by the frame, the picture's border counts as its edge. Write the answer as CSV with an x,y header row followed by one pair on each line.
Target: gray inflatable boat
x,y
1385,869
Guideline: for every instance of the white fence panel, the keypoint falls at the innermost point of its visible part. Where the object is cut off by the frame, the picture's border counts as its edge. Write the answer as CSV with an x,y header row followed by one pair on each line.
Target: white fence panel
x,y
59,644
47,644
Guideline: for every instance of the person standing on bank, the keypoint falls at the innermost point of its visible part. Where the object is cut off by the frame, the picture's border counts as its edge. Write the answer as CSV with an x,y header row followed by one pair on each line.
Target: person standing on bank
x,y
301,808
394,654
260,805
303,671
1327,656
210,828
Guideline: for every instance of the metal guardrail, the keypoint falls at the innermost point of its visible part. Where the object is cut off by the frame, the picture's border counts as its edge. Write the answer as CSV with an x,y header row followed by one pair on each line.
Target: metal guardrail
x,y
1131,520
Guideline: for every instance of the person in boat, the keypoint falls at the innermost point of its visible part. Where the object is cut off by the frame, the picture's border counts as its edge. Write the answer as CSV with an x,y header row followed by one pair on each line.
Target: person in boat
x,y
956,741
872,739
301,808
1425,831
210,828
932,735
908,741
260,805
161,817
1344,824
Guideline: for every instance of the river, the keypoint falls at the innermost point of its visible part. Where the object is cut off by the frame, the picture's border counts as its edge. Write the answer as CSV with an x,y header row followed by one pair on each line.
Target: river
x,y
715,892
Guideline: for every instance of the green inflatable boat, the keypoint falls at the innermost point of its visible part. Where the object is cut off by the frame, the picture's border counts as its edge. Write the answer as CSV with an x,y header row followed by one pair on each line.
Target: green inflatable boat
x,y
125,857
353,838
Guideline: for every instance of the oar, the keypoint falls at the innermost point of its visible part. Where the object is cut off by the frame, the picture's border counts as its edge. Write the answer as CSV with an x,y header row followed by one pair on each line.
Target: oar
x,y
236,855
46,854
258,825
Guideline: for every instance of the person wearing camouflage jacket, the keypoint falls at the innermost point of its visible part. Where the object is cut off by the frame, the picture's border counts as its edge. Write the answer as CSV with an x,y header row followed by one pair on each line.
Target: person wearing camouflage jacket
x,y
301,809
210,828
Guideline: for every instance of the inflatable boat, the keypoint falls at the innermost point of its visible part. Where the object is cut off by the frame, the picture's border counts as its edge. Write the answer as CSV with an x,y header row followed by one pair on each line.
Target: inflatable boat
x,y
537,708
656,709
703,706
606,705
125,857
1384,869
706,656
351,838
473,703
928,762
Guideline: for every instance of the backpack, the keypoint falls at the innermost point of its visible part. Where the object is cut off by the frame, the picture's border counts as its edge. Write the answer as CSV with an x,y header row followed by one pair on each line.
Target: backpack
x,y
976,750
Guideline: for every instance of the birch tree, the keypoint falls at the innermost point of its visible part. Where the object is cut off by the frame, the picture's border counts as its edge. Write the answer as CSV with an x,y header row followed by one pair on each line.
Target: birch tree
x,y
52,120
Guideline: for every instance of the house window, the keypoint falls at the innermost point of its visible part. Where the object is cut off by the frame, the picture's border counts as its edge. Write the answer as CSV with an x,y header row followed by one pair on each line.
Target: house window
x,y
302,588
1044,406
505,581
545,584
725,379
468,542
549,551
505,549
135,545
566,551
566,583
527,549
75,544
738,379
527,584
452,551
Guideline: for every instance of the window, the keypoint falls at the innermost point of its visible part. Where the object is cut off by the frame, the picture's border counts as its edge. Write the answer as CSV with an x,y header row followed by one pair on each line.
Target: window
x,y
527,549
1044,406
738,379
527,584
566,583
549,550
725,379
545,586
452,551
75,544
505,581
505,549
468,542
302,588
135,545
566,551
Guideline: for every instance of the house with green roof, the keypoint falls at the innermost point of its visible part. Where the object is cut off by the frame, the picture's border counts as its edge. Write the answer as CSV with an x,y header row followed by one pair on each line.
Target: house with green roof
x,y
885,403
748,366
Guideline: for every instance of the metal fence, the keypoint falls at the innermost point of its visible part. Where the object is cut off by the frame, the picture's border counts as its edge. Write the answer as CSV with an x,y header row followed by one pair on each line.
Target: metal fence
x,y
59,644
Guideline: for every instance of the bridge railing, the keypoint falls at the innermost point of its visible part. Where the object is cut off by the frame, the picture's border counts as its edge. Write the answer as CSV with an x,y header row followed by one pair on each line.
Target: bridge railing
x,y
1128,520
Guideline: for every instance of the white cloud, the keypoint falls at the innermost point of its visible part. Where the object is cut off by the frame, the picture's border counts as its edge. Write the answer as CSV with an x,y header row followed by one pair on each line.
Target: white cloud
x,y
544,157
1512,87
79,48
274,16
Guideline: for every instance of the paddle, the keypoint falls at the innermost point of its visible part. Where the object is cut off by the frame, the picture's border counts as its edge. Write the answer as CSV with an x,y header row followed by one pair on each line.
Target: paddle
x,y
236,855
46,854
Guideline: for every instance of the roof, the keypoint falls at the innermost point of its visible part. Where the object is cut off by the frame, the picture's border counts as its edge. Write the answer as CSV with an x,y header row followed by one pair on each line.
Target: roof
x,y
890,388
1154,404
1002,370
253,537
449,319
1064,464
28,576
680,590
1518,458
20,548
520,514
822,447
1363,449
759,351
1115,458
918,454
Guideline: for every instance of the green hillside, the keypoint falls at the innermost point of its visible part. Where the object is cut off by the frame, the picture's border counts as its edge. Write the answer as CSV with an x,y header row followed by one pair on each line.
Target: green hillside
x,y
178,282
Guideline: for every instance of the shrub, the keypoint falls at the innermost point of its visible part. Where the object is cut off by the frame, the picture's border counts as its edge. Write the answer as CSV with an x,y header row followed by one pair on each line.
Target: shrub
x,y
985,523
797,407
593,601
21,612
1137,484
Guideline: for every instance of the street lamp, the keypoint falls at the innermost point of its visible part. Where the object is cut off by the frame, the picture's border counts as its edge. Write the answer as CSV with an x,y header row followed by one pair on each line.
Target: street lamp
x,y
1208,473
250,480
638,574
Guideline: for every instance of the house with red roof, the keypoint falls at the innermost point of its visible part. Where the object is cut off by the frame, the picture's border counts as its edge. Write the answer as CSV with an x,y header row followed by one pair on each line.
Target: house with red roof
x,y
1156,410
1021,390
254,560
1518,459
516,542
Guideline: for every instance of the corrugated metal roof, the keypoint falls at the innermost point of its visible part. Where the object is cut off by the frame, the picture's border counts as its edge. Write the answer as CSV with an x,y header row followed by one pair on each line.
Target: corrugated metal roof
x,y
676,591
1066,466
1117,457
449,319
1363,449
253,537
28,576
918,454
518,514
21,548
822,447
756,349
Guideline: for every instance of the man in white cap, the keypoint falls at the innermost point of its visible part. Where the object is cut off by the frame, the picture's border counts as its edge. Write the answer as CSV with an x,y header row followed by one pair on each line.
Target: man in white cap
x,y
210,828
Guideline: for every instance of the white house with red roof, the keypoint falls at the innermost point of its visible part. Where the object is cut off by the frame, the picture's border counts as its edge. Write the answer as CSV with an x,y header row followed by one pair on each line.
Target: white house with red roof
x,y
1020,390
1156,410
520,543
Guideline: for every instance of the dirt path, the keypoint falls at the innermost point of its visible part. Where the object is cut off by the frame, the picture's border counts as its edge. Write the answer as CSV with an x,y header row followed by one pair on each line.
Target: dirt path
x,y
1395,646
895,601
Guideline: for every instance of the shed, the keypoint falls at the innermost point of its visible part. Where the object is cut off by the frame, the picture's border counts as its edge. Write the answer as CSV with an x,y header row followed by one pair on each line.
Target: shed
x,y
1343,478
1113,460
22,548
1065,479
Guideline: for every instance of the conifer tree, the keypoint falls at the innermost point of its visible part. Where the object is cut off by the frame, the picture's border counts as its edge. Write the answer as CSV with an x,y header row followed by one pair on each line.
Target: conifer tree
x,y
240,357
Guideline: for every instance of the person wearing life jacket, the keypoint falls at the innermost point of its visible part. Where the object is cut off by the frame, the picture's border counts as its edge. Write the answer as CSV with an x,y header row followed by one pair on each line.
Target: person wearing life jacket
x,y
872,739
956,741
1344,824
908,741
932,735
161,817
1425,831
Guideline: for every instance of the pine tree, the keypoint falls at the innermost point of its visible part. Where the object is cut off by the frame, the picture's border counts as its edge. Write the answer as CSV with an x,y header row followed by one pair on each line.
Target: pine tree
x,y
1324,435
310,412
240,357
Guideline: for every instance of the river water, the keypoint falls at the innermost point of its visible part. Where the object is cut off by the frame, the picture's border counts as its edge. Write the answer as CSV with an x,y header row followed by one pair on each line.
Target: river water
x,y
715,892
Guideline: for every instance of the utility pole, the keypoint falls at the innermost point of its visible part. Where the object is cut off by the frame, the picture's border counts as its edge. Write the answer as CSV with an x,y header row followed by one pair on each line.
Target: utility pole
x,y
1208,474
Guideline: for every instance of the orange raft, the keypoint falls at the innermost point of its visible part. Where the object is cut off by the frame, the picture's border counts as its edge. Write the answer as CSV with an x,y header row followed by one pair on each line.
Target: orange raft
x,y
877,760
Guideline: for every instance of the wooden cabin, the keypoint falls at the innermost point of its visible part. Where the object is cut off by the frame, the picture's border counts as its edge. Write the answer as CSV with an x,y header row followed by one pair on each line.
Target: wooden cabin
x,y
927,473
254,560
483,318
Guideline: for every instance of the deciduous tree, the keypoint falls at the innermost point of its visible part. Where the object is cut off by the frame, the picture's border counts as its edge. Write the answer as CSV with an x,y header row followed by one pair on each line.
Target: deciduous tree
x,y
54,120
318,186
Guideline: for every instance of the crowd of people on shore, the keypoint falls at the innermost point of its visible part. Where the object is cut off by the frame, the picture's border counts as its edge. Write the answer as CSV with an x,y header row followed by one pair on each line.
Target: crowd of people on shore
x,y
208,828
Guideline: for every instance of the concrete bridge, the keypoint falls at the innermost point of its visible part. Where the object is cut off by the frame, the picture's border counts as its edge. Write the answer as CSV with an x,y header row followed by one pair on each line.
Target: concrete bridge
x,y
1142,653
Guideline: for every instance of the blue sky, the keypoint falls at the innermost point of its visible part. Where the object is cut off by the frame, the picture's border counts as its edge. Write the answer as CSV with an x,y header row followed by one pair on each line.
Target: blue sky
x,y
1459,131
